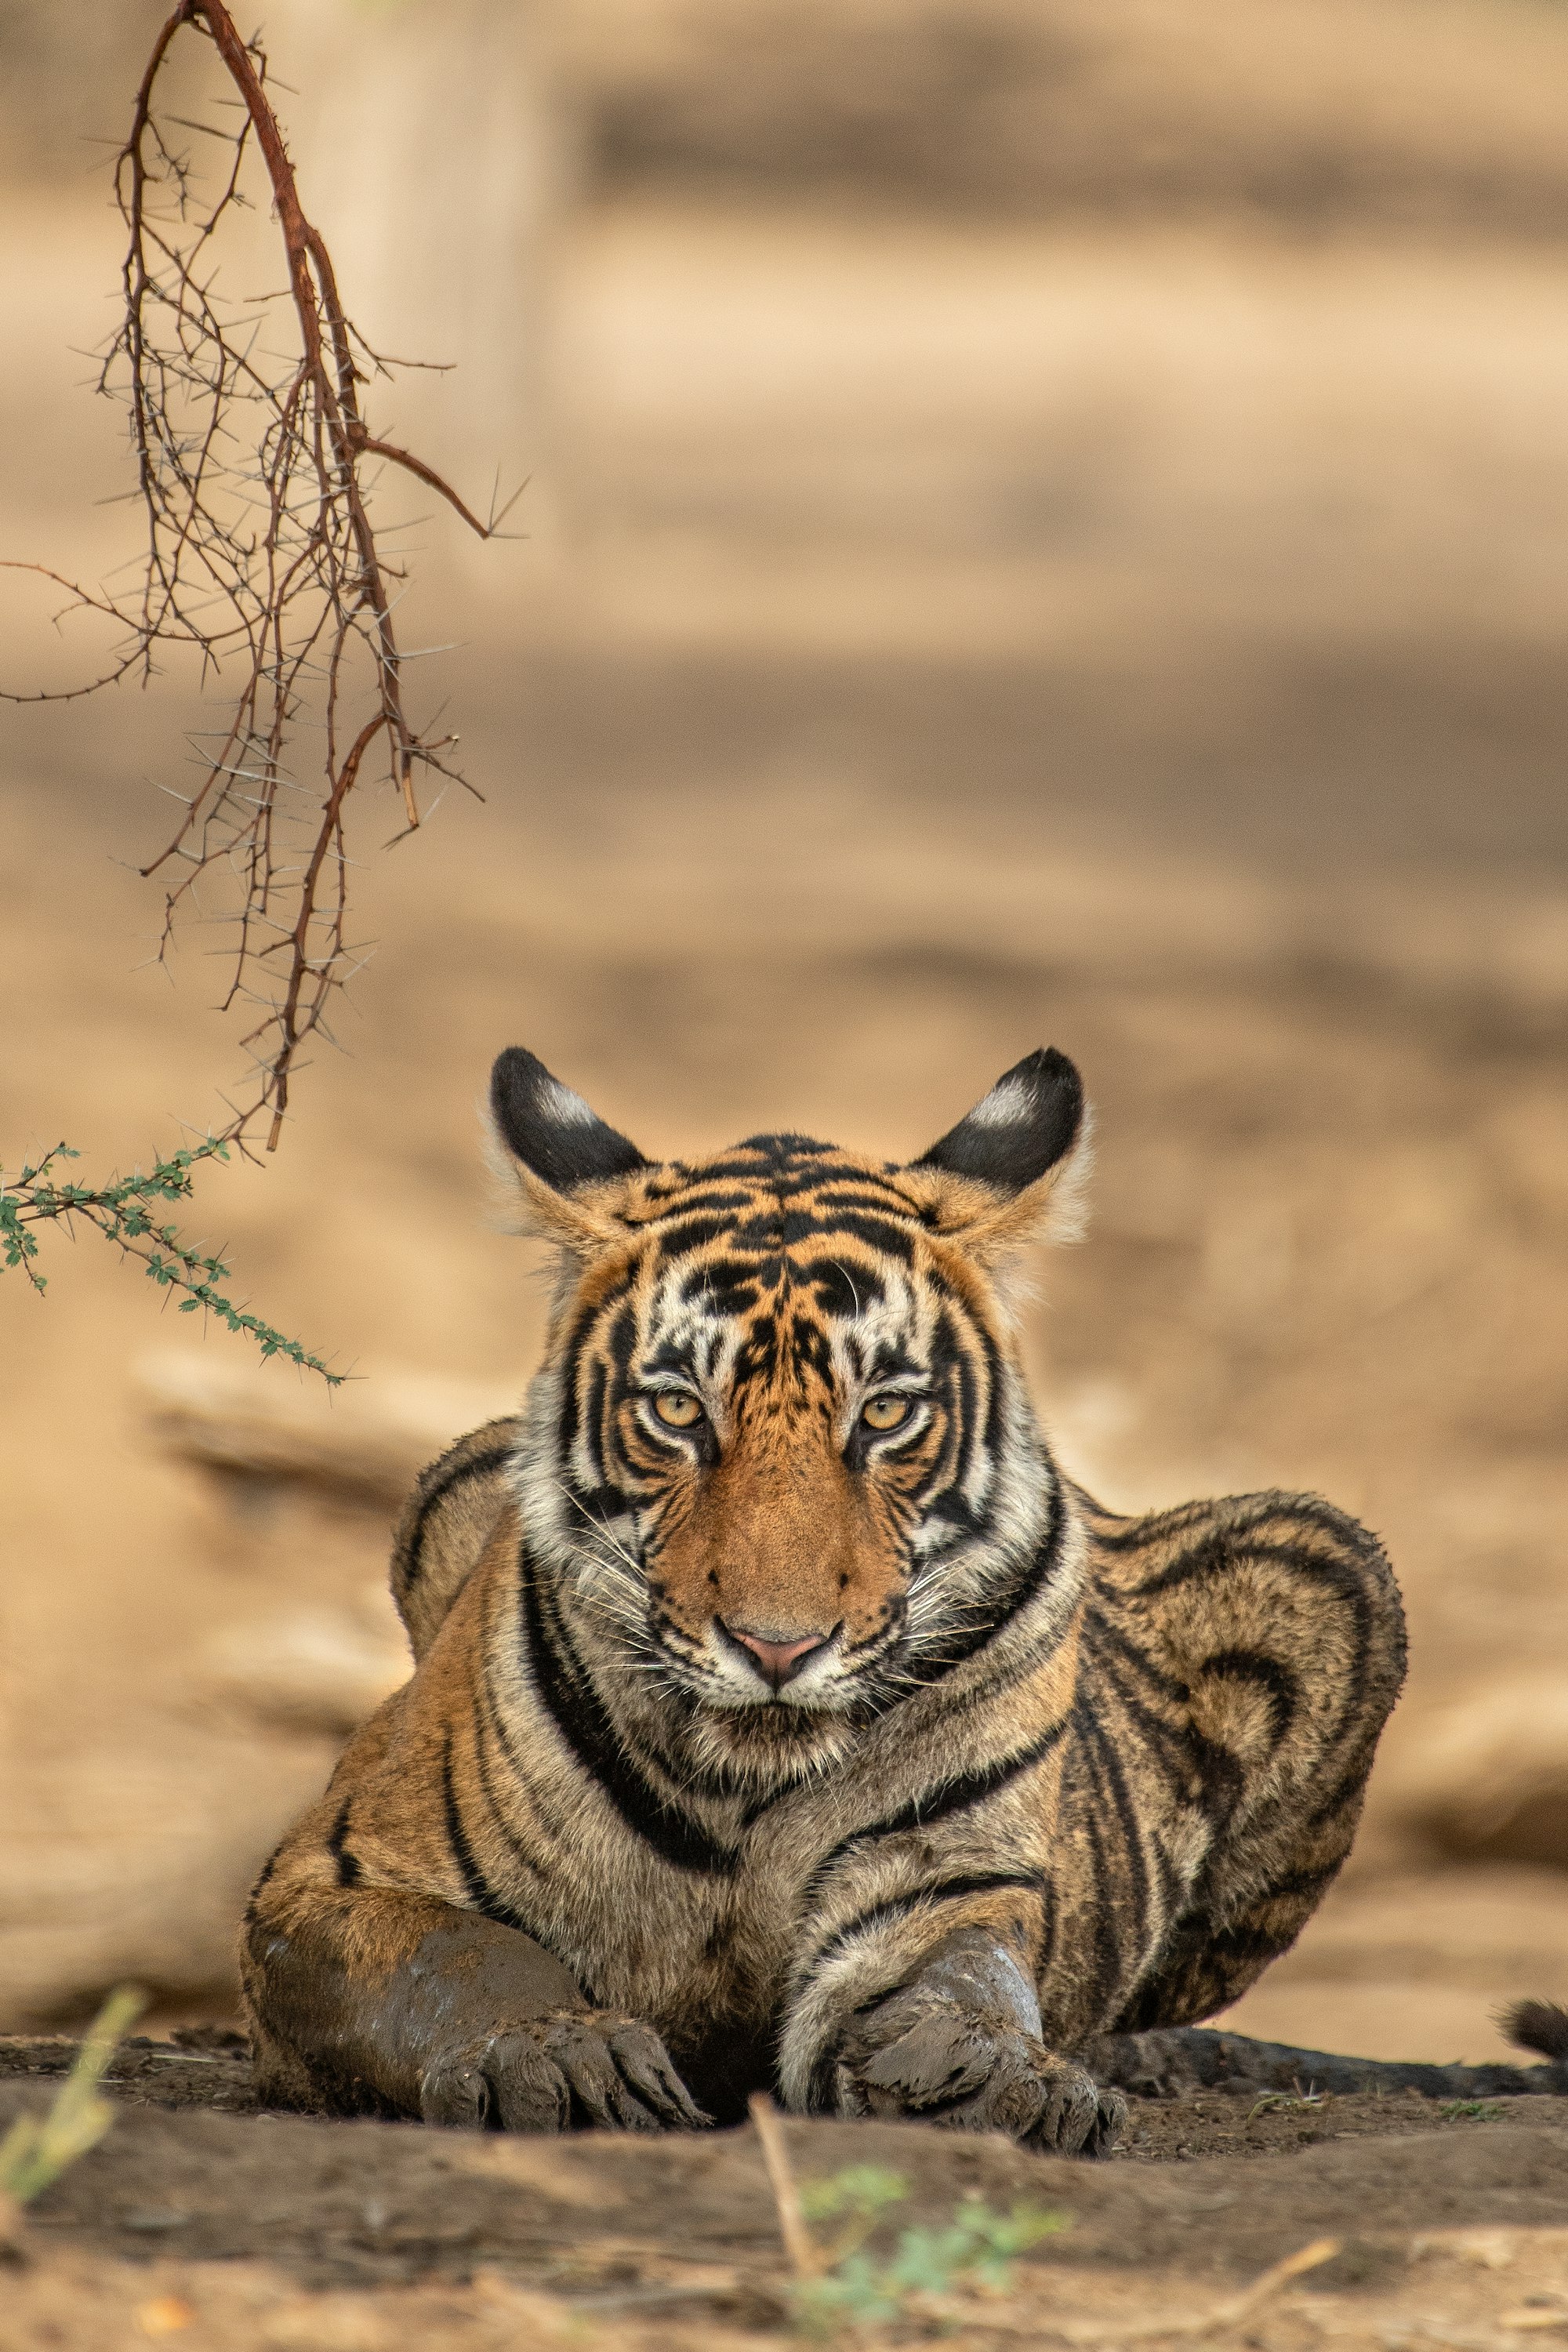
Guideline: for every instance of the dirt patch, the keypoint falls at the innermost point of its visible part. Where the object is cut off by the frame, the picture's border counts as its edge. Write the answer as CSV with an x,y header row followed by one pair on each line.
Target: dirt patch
x,y
1214,2188
282,2230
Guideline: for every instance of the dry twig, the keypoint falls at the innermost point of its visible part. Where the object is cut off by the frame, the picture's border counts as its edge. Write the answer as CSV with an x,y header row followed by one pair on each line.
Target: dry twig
x,y
805,2254
38,2148
253,466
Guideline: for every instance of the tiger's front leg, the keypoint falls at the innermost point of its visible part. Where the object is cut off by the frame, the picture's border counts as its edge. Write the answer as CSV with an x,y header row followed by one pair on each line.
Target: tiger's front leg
x,y
959,2044
408,2006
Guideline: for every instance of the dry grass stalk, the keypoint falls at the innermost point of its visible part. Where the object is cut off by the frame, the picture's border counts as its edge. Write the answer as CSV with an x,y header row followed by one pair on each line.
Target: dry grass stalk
x,y
805,2254
1110,2336
253,466
38,2148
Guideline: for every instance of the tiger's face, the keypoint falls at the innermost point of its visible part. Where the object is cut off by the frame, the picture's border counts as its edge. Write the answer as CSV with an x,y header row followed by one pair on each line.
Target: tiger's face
x,y
781,1452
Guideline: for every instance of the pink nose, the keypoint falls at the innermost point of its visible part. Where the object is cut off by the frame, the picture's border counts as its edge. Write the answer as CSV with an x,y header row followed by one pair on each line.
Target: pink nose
x,y
777,1660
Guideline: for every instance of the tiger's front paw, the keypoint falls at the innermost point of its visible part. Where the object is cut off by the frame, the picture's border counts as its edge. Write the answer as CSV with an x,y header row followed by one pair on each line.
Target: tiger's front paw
x,y
575,2067
919,2057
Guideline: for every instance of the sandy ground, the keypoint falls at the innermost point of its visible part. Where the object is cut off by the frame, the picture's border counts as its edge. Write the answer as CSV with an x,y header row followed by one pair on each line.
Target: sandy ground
x,y
196,2218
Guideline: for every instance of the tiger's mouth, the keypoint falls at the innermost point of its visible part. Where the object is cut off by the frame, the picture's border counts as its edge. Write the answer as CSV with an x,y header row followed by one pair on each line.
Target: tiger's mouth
x,y
777,1680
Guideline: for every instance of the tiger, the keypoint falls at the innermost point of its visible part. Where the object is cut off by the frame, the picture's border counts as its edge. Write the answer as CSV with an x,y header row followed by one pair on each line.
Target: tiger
x,y
784,1717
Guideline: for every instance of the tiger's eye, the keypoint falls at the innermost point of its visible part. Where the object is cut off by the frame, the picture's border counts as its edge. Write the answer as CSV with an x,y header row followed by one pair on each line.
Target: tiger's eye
x,y
677,1408
885,1411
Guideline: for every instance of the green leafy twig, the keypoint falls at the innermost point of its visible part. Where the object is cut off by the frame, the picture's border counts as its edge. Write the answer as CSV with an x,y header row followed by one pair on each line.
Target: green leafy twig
x,y
976,2250
837,2284
124,1213
856,2198
38,2148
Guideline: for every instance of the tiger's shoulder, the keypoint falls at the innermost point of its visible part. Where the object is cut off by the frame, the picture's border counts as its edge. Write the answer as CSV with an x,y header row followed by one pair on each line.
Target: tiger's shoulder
x,y
446,1523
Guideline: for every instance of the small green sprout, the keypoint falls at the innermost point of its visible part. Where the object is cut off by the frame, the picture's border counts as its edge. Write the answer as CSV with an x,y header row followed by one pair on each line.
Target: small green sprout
x,y
861,2191
976,2249
1478,2111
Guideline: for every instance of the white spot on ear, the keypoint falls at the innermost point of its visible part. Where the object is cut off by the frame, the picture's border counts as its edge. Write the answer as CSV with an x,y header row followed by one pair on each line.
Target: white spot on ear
x,y
566,1107
1007,1105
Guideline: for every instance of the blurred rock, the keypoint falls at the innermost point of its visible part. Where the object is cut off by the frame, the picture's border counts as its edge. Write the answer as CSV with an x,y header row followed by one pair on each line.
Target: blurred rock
x,y
1077,108
325,1670
360,1446
1487,1779
134,1863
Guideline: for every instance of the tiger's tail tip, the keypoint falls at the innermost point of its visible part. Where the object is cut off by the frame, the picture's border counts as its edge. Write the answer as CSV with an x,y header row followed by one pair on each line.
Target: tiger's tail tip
x,y
1539,2025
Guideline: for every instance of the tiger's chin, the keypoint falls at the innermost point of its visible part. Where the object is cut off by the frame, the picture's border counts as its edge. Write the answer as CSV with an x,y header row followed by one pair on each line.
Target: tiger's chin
x,y
762,1745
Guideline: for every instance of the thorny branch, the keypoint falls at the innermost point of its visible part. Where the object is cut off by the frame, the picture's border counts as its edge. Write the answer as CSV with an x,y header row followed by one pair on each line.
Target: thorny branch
x,y
261,558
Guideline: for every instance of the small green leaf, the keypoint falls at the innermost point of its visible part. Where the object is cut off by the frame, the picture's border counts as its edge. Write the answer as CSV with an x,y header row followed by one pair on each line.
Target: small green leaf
x,y
117,1211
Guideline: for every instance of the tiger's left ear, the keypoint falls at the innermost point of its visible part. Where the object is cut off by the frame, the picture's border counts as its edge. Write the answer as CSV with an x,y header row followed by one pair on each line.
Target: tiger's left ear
x,y
1014,1169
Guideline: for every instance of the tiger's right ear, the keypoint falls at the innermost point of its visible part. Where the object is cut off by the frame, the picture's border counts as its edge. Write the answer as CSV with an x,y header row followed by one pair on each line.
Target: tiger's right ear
x,y
563,1159
1013,1170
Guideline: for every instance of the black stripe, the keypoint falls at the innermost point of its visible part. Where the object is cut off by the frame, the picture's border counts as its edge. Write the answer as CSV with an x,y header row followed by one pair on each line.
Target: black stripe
x,y
1253,1511
1113,1776
521,1853
690,1234
252,1903
939,1890
481,1894
479,1465
1222,1553
942,1658
1297,1882
940,1474
991,1437
937,1804
580,1717
1097,1624
1266,1673
1129,1534
1170,1745
348,1866
967,1437
700,1200
877,1232
1349,1785
584,1327
837,1193
1107,1951
1243,1517
590,1429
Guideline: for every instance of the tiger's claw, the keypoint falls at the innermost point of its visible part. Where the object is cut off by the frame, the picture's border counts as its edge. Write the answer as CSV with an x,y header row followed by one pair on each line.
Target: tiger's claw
x,y
960,2046
552,2074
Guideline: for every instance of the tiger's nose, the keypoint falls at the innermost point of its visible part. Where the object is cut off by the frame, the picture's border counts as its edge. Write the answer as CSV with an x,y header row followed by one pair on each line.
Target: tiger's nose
x,y
776,1661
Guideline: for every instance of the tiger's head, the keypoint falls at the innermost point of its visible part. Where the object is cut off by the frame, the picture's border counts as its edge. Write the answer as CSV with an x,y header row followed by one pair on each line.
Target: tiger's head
x,y
780,1459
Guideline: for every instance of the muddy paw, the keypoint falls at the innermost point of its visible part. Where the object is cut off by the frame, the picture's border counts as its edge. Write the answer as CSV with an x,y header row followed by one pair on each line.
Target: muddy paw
x,y
550,2073
916,2057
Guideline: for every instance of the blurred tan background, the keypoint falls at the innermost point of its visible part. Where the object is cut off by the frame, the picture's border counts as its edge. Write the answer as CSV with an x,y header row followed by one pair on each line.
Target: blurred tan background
x,y
1047,522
